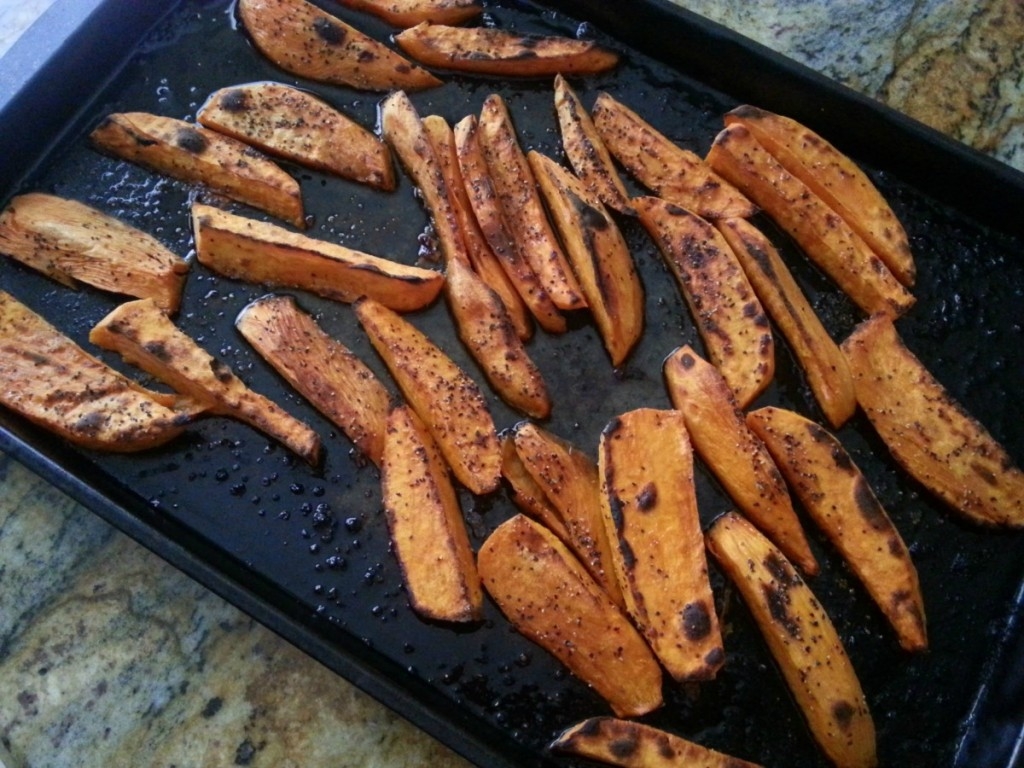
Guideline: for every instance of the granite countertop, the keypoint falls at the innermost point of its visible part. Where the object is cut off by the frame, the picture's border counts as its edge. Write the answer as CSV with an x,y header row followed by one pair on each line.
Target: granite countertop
x,y
110,657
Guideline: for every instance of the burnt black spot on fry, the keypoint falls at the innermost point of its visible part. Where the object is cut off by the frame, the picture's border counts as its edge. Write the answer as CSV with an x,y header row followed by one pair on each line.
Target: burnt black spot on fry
x,y
220,370
687,361
868,505
777,601
155,348
328,31
647,497
843,713
696,621
623,747
191,140
235,100
628,556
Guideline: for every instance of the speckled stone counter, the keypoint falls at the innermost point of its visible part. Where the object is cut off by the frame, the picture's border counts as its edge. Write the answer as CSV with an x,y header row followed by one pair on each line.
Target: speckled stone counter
x,y
110,657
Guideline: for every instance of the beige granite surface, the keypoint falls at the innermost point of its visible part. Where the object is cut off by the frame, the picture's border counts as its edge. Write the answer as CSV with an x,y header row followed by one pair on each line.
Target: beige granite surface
x,y
109,657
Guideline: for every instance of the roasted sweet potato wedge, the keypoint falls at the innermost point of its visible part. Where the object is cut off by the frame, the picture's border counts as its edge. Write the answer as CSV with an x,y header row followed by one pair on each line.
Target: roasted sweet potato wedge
x,y
486,207
673,173
551,599
928,432
526,494
631,744
409,13
321,368
493,51
801,638
426,524
837,180
650,515
74,243
442,394
823,235
259,252
198,155
734,454
145,336
521,206
724,307
823,363
302,39
837,496
287,122
598,254
51,381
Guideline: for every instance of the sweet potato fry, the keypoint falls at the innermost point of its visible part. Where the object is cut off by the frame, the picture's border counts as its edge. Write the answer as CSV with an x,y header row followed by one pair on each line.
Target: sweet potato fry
x,y
409,13
728,315
144,336
442,394
198,155
425,523
287,122
259,252
302,39
837,180
824,235
673,173
823,363
73,243
551,599
929,433
734,454
598,254
526,494
493,51
838,497
650,516
801,638
322,369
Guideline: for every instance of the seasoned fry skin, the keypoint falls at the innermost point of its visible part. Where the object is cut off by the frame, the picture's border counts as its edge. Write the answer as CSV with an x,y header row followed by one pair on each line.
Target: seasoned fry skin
x,y
824,235
837,180
801,638
673,173
198,155
649,506
930,434
322,369
598,254
493,51
71,243
728,315
838,497
296,125
53,382
442,394
409,13
302,39
526,494
734,454
631,744
144,336
259,252
823,363
551,599
425,523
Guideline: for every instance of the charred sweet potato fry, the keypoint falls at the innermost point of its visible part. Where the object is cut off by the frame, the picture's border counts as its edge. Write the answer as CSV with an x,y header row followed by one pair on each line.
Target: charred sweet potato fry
x,y
296,125
302,39
51,381
322,369
728,315
551,599
259,252
837,180
823,363
144,336
838,497
74,243
823,235
801,638
631,744
426,524
526,494
493,51
673,173
409,13
198,155
928,432
734,454
650,515
442,394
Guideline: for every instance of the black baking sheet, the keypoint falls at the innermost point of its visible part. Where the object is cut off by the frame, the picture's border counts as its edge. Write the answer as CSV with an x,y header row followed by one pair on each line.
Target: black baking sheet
x,y
306,551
